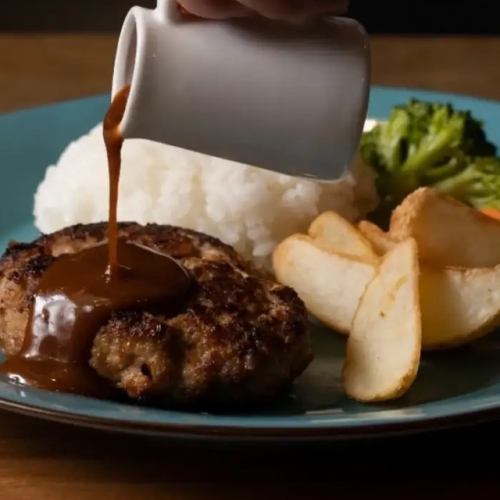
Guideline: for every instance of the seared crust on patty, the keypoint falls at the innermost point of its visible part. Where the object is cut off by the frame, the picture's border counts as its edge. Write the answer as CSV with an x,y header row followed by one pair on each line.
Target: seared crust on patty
x,y
239,337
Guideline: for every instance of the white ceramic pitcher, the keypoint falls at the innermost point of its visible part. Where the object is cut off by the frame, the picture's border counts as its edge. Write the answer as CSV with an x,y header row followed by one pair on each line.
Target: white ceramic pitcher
x,y
286,98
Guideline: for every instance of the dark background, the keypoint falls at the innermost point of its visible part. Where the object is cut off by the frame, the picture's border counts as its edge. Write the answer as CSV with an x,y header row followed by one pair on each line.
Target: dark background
x,y
379,16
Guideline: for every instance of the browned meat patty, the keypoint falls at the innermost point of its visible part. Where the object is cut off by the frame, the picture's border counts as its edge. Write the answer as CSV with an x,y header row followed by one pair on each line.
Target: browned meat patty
x,y
240,337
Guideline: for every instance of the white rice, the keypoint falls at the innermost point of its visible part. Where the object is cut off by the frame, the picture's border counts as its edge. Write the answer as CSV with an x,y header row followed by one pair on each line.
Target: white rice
x,y
246,207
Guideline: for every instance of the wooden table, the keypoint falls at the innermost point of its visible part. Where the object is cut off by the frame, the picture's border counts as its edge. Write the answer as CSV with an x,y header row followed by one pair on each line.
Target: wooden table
x,y
36,69
41,460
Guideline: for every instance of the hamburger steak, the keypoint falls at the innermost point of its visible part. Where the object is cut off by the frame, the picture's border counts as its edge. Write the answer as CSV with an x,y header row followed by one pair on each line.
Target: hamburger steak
x,y
238,338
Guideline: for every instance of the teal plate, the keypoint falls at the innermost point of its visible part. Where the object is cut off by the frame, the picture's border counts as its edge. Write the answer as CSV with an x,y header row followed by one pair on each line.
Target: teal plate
x,y
462,386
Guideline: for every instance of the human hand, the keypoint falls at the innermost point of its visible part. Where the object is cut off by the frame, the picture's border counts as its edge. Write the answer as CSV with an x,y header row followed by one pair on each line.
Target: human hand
x,y
286,10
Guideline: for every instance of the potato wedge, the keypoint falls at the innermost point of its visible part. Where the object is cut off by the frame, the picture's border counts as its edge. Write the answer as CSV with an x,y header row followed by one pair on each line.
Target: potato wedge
x,y
330,284
447,231
383,349
334,233
458,305
380,240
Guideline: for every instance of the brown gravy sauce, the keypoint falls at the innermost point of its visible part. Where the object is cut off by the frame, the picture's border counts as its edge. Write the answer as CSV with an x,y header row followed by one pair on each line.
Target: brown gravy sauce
x,y
114,143
79,292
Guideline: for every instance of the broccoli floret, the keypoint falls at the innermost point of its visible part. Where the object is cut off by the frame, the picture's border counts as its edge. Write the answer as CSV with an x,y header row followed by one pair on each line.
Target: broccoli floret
x,y
478,185
420,144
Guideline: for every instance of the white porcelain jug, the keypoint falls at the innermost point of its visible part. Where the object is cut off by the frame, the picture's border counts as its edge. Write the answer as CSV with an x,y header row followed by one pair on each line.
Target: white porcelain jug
x,y
281,97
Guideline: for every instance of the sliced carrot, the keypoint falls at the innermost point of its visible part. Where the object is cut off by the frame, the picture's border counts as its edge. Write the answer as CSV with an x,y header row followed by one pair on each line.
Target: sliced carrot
x,y
492,212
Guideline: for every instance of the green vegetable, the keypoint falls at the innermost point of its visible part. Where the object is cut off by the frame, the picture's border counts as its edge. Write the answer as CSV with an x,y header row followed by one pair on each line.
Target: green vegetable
x,y
478,185
424,144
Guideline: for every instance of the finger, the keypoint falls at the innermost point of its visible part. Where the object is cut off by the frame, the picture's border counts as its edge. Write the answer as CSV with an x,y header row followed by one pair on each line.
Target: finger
x,y
316,7
214,9
319,8
296,10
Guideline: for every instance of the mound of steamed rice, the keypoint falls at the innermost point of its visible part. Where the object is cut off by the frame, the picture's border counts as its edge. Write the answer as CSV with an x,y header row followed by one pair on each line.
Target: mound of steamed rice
x,y
249,208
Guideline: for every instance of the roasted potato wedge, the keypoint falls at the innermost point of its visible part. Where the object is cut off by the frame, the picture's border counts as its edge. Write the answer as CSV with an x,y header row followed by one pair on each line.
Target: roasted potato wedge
x,y
334,233
458,305
380,240
383,349
330,284
447,231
